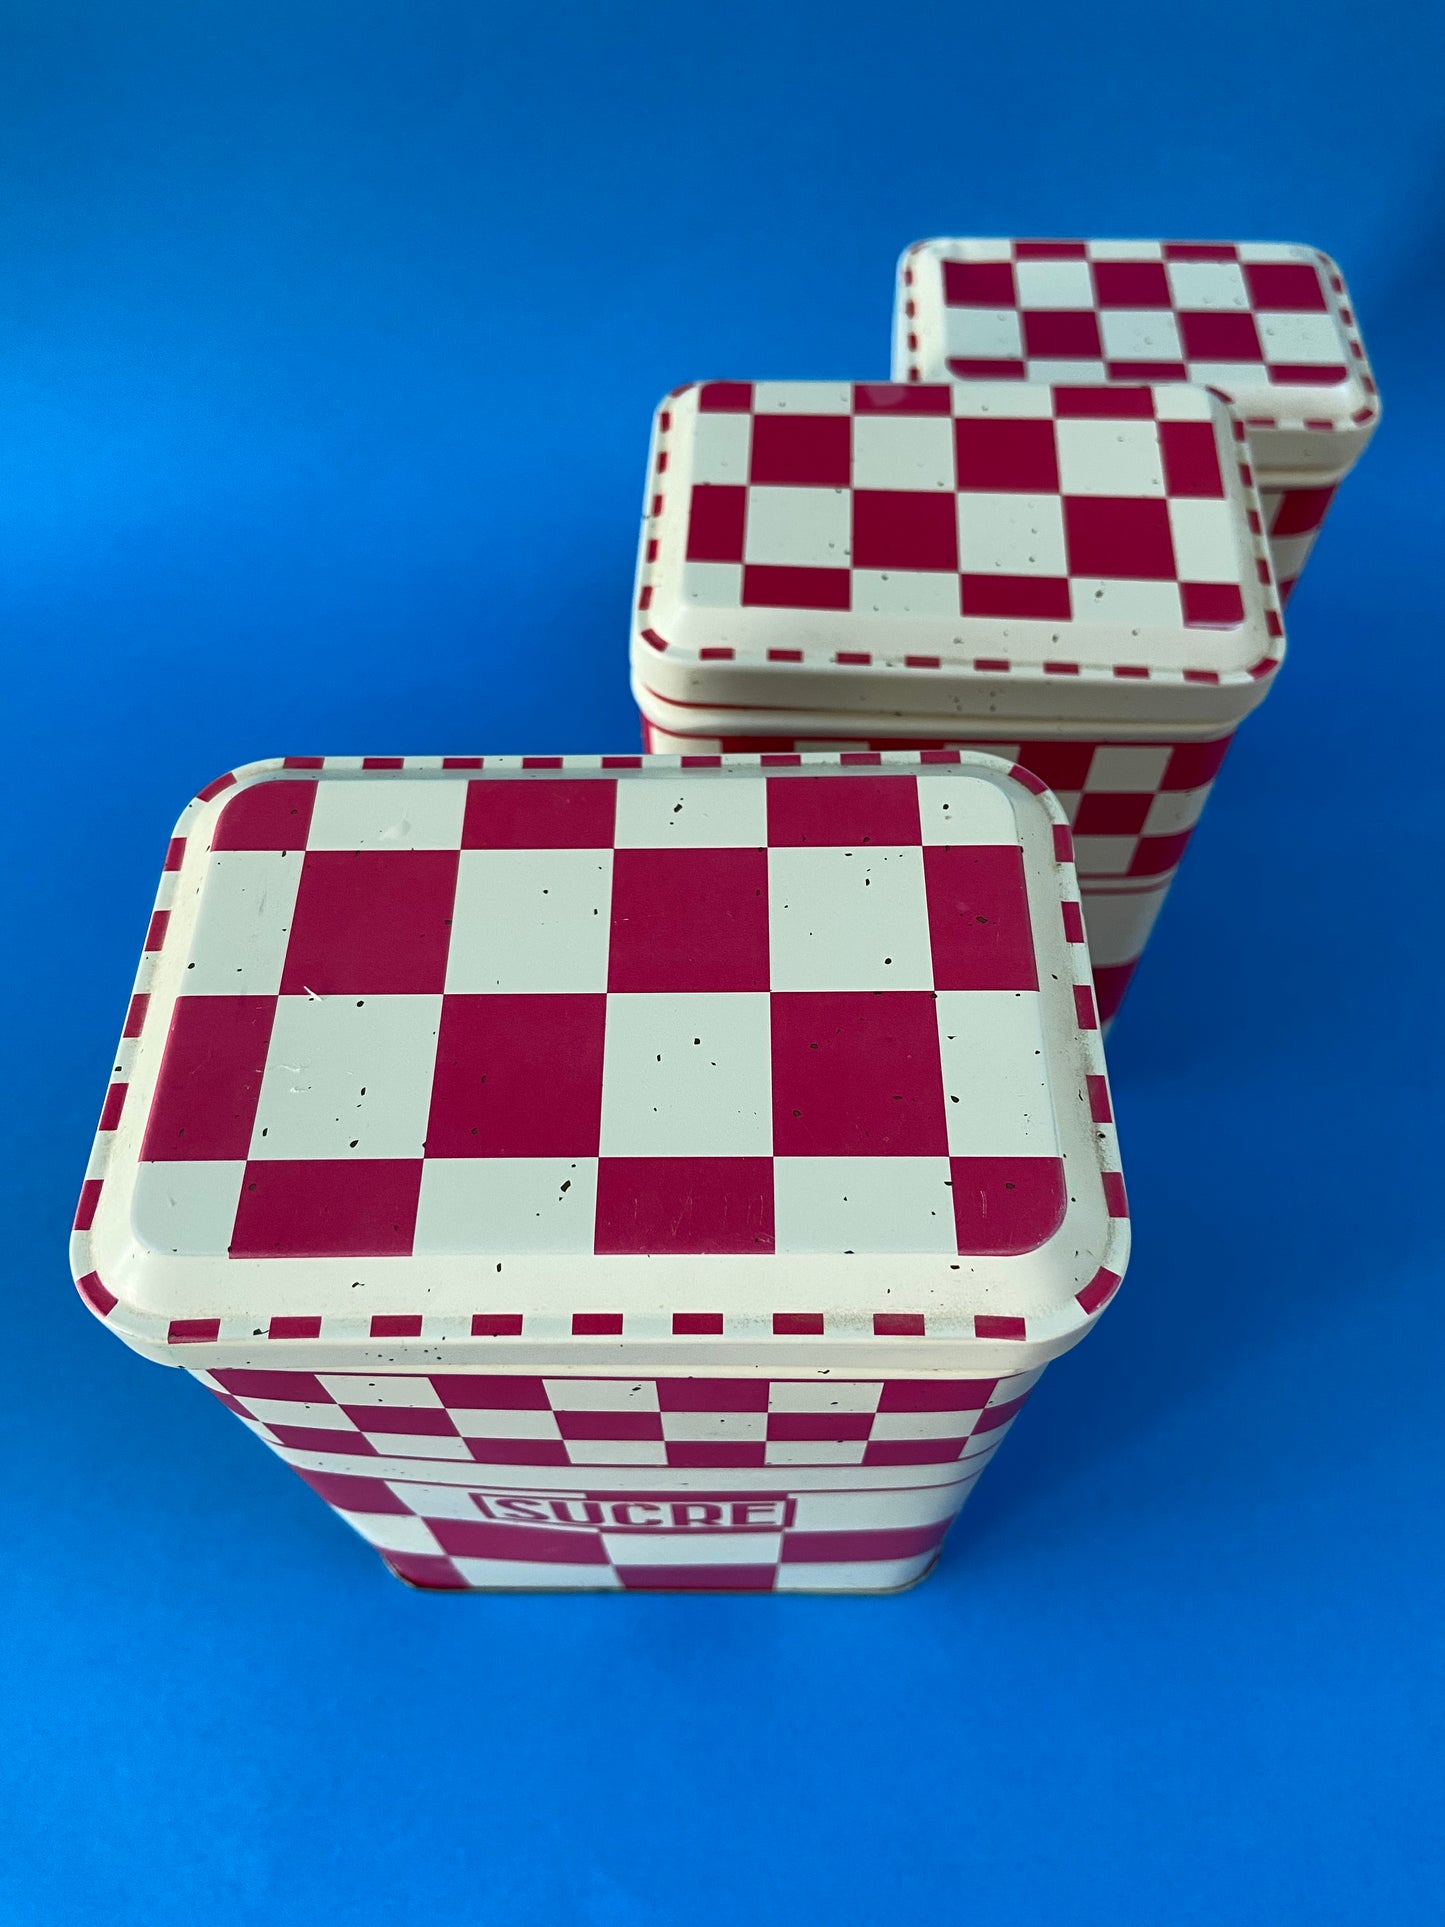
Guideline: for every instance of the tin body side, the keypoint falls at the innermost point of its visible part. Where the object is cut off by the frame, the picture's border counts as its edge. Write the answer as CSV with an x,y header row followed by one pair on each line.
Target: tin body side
x,y
505,1482
1132,807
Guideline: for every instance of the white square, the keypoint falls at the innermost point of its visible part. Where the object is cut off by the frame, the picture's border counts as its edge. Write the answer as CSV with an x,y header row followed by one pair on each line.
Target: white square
x,y
1177,401
923,1425
1002,400
1174,810
983,334
863,1204
480,1422
823,1395
955,809
687,1074
531,920
671,809
186,1208
710,585
815,1452
802,398
411,1445
696,1427
995,1086
617,1452
903,451
693,1548
1083,372
1122,601
849,919
535,1575
1054,284
247,903
409,1390
394,1531
1229,377
1011,535
601,1394
506,1205
914,593
1302,337
1104,856
1109,458
1207,540
316,1418
721,448
1135,767
348,1077
1119,923
1141,334
385,812
1203,285
1126,250
800,527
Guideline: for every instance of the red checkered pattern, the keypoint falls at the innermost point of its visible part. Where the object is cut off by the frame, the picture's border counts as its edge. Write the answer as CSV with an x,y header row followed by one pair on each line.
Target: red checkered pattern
x,y
1132,808
583,1011
485,1480
568,1025
920,505
1270,327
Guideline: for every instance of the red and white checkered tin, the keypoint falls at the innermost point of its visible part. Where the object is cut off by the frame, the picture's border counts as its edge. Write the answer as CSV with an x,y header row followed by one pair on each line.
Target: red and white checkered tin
x,y
1075,578
1268,325
612,1171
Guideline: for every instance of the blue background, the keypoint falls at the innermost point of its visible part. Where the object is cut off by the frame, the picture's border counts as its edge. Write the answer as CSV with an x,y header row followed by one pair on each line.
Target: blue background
x,y
330,335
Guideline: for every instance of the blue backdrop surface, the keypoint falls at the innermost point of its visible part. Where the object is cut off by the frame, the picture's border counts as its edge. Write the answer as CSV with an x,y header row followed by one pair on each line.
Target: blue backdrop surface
x,y
330,335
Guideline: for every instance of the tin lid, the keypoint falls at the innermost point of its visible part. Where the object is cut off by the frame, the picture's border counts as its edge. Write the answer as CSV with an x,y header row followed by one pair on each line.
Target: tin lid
x,y
971,551
1269,325
738,1061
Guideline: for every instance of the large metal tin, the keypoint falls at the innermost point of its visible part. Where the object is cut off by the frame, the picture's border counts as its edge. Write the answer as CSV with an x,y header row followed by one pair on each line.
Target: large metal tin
x,y
1268,325
617,1171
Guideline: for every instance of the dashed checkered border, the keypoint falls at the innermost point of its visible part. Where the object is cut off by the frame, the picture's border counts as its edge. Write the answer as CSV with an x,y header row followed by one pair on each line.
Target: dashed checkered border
x,y
1063,673
156,1333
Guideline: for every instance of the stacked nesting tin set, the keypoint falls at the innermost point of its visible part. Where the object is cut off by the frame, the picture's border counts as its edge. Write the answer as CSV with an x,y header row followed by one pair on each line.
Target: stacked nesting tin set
x,y
675,1171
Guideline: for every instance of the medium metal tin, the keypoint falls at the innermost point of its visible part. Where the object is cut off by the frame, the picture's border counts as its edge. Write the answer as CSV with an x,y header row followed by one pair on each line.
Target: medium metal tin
x,y
1268,325
1075,579
616,1171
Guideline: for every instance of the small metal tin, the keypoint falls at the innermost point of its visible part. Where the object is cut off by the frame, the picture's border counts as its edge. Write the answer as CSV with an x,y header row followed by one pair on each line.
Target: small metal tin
x,y
1073,578
1268,325
616,1172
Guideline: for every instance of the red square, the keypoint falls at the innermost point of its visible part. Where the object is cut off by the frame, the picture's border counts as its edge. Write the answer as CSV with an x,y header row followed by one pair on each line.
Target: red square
x,y
672,1205
1062,334
1063,766
1006,456
1191,459
1037,598
979,284
725,398
1209,335
978,918
210,1078
371,923
769,586
812,450
327,1208
711,1394
1131,284
274,815
1302,510
1211,605
857,1074
1003,1206
1284,287
540,813
689,920
1112,813
1124,536
716,521
518,1076
842,812
895,528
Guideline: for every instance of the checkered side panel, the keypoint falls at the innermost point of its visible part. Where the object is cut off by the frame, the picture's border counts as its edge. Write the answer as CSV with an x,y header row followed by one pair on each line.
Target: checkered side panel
x,y
602,1018
472,1481
1251,321
1293,518
1132,806
920,505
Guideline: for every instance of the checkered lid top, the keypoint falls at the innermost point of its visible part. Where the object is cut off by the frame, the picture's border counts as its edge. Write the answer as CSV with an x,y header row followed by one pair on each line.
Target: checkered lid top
x,y
742,1048
1267,324
988,549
